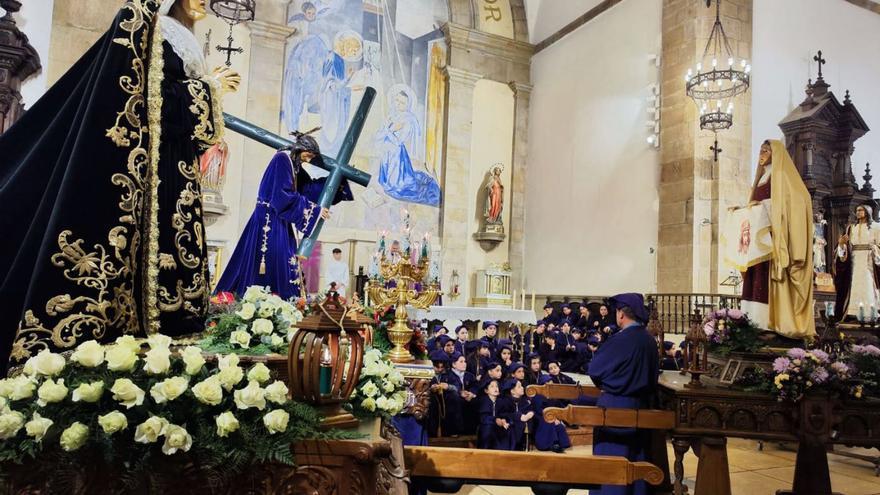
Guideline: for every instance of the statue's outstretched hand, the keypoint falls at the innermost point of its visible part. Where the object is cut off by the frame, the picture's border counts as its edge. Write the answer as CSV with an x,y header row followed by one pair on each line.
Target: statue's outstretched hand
x,y
325,213
843,240
228,79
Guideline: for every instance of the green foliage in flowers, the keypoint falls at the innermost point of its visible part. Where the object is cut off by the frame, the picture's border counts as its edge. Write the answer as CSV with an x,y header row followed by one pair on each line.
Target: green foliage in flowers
x,y
135,416
730,330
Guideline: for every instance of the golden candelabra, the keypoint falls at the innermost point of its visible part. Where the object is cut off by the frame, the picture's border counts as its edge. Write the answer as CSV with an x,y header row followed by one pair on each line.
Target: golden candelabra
x,y
405,275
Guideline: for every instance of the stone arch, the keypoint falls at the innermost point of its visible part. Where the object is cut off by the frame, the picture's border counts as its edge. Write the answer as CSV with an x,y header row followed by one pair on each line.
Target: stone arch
x,y
462,12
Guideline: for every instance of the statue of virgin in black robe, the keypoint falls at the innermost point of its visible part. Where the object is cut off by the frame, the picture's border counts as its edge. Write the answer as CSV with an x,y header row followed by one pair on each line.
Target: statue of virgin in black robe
x,y
102,220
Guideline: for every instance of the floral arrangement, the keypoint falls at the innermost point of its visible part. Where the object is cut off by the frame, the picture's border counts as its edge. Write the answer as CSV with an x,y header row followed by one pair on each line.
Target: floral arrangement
x,y
114,409
384,318
853,372
381,390
260,323
730,330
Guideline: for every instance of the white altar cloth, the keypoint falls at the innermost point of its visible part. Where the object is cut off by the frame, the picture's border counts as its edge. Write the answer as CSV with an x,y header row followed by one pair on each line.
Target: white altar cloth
x,y
464,313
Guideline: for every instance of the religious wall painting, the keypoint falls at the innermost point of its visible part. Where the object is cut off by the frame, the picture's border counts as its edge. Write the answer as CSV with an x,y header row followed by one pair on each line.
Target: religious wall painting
x,y
343,46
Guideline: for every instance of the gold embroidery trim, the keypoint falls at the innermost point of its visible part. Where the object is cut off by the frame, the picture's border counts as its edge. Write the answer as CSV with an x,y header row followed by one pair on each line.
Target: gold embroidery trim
x,y
206,104
154,117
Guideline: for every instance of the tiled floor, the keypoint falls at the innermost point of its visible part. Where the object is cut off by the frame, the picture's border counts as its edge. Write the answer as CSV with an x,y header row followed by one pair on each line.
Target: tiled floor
x,y
752,472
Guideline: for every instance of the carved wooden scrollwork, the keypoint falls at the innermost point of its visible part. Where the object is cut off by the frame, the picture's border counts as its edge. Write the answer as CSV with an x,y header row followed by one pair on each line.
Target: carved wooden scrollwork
x,y
314,480
421,390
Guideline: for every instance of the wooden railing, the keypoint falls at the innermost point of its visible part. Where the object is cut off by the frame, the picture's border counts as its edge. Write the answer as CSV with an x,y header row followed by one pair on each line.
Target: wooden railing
x,y
674,310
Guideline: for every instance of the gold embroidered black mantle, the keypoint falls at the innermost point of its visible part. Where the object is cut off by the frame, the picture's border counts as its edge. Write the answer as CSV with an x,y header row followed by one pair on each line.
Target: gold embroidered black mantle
x,y
100,205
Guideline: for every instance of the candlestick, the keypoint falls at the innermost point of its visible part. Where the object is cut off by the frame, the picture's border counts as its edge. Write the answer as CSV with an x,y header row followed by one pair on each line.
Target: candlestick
x,y
862,312
522,304
533,301
513,303
873,313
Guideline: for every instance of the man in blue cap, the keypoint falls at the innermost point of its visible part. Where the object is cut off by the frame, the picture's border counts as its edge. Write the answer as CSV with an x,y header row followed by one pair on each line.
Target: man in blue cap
x,y
625,368
490,329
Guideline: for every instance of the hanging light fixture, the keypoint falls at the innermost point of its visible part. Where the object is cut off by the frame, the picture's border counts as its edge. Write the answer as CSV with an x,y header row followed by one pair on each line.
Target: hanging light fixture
x,y
233,12
717,78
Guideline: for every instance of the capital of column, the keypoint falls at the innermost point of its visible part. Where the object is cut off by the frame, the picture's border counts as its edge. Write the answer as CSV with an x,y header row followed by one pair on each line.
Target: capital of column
x,y
520,90
269,32
462,76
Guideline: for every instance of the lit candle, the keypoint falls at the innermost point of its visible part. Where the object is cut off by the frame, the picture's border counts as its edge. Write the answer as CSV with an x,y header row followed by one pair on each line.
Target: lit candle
x,y
523,303
513,303
533,301
325,371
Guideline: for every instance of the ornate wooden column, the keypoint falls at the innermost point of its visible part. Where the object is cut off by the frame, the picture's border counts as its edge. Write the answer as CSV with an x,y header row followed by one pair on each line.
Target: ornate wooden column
x,y
18,61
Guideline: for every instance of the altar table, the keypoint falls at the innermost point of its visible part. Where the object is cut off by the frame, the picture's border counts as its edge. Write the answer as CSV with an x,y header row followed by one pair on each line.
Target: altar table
x,y
465,314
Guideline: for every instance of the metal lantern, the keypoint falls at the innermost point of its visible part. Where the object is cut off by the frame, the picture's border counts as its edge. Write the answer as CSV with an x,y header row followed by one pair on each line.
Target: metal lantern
x,y
696,352
325,360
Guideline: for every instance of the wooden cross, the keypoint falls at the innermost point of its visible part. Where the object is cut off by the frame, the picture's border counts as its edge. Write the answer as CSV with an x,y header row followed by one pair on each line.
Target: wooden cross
x,y
229,49
818,58
715,149
338,167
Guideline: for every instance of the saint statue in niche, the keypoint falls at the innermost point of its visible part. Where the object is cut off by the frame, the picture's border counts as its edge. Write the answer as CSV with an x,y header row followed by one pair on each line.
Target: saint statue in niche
x,y
494,195
492,230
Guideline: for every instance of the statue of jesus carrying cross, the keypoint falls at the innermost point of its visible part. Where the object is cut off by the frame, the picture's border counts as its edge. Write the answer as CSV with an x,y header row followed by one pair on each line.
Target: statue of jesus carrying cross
x,y
268,254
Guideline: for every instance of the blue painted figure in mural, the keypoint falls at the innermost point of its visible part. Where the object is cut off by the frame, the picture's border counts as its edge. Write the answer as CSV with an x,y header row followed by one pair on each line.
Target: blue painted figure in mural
x,y
396,141
304,77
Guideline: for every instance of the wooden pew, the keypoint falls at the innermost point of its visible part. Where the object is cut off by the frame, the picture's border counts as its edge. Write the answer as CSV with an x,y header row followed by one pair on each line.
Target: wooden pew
x,y
646,419
562,391
549,473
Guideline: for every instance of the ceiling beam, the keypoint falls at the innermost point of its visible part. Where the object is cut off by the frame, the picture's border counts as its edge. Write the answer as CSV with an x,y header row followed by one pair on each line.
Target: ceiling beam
x,y
580,21
866,4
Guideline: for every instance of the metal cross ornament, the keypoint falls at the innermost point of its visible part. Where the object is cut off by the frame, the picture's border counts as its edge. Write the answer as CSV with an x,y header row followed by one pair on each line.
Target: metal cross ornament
x,y
715,149
229,49
818,58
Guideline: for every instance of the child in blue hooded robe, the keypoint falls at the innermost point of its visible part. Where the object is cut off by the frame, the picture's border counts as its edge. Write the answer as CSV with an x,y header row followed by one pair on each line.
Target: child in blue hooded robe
x,y
493,432
459,397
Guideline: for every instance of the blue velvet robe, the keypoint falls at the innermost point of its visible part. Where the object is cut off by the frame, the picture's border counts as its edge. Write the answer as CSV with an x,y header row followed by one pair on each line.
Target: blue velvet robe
x,y
547,434
489,434
514,410
283,201
460,415
625,368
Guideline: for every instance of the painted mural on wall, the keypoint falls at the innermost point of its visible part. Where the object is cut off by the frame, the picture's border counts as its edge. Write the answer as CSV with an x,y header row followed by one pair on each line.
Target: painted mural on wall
x,y
343,46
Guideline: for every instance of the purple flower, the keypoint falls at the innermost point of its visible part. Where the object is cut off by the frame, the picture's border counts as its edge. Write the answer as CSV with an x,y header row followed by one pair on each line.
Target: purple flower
x,y
797,353
822,356
867,350
735,314
819,375
781,364
839,368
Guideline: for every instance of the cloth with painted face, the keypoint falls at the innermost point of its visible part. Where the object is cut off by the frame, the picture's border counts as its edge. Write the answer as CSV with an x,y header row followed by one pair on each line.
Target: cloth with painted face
x,y
100,193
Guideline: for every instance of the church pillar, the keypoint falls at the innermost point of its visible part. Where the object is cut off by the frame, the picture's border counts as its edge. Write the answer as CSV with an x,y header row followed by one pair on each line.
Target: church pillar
x,y
695,191
265,76
18,60
522,97
456,193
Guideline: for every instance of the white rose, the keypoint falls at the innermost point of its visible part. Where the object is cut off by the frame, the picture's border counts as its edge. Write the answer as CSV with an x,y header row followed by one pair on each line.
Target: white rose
x,y
230,377
150,430
74,436
262,326
129,343
259,373
387,386
6,386
120,357
88,392
254,293
88,354
227,361
372,369
208,391
383,403
277,392
193,359
159,341
45,363
158,360
250,396
226,424
240,338
396,377
275,340
38,426
10,423
51,391
372,356
127,393
276,421
4,405
247,311
369,404
21,387
169,389
370,389
176,438
266,310
113,422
